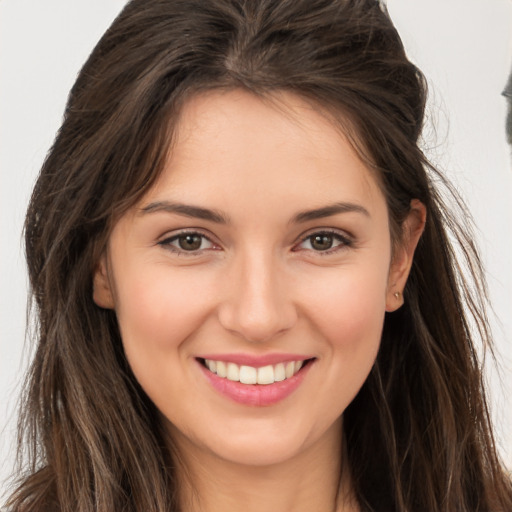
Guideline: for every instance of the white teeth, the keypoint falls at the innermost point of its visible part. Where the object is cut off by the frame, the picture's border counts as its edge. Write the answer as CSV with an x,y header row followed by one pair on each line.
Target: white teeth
x,y
221,369
251,375
248,375
279,373
266,375
233,372
290,369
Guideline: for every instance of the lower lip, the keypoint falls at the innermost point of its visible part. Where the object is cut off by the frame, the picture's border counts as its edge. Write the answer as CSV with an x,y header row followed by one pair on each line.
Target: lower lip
x,y
256,394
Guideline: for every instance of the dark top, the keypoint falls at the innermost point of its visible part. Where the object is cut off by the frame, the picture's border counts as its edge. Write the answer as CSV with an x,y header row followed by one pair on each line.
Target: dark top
x,y
508,94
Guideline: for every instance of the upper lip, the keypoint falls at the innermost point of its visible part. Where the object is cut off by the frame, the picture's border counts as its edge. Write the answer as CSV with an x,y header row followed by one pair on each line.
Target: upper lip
x,y
256,361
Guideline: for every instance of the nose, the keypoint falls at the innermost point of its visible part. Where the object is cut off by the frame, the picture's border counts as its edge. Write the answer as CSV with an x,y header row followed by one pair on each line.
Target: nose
x,y
258,304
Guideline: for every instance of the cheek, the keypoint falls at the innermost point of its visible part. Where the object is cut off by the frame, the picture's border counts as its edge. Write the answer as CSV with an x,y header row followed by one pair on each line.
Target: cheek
x,y
349,318
350,305
157,312
354,328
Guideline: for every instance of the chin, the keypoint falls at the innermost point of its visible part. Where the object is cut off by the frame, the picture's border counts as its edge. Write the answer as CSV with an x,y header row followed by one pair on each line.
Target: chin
x,y
259,452
264,442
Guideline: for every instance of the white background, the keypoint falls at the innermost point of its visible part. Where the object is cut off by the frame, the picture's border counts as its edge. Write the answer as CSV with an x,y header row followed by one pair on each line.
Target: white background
x,y
463,46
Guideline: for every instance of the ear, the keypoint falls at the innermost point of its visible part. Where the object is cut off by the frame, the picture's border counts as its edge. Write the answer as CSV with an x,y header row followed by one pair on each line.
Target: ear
x,y
402,260
101,286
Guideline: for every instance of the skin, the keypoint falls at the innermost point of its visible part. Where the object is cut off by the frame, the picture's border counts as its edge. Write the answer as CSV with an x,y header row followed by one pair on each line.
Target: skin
x,y
257,285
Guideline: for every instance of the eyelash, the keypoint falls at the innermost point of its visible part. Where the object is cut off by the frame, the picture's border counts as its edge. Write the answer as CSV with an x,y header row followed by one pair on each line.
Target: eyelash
x,y
167,243
344,242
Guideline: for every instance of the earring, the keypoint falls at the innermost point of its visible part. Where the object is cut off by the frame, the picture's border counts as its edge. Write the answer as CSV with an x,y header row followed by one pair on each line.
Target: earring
x,y
397,295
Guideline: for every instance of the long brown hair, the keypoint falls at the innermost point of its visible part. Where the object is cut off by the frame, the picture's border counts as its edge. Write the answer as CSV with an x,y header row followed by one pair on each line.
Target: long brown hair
x,y
418,433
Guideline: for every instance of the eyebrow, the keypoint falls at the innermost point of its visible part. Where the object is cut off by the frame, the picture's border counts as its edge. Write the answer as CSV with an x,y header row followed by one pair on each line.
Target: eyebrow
x,y
328,211
186,210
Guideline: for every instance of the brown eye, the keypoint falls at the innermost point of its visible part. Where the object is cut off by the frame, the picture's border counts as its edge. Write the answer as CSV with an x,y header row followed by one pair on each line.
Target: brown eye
x,y
187,243
324,242
190,242
321,242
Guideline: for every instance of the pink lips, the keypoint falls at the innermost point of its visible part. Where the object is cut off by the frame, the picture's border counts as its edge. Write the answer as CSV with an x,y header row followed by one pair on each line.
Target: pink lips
x,y
255,394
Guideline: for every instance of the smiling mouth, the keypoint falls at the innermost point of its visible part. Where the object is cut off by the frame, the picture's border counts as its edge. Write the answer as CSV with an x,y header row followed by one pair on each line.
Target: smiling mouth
x,y
263,375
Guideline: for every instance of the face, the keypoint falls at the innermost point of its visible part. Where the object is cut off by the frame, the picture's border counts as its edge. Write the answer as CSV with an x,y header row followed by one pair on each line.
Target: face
x,y
251,283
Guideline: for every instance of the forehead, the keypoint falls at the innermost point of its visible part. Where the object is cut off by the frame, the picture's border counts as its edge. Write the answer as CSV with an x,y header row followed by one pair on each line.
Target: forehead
x,y
233,144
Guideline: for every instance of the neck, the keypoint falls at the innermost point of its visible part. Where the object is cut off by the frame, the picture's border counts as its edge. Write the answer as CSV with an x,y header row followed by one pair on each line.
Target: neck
x,y
315,479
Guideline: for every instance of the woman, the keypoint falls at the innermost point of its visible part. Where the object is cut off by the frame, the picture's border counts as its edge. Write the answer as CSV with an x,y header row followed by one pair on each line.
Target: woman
x,y
245,287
